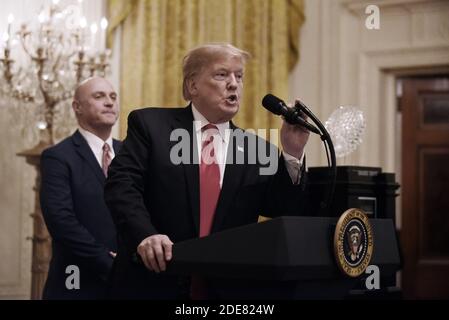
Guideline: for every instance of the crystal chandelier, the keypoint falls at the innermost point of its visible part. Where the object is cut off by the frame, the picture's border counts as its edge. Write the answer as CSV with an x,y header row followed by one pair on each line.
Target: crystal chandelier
x,y
44,60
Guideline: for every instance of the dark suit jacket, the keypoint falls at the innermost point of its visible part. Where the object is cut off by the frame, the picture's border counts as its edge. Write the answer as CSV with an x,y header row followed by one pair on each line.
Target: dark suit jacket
x,y
147,194
77,218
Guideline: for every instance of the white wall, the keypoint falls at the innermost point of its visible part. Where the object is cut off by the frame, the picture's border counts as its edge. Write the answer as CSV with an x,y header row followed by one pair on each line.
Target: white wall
x,y
17,177
344,63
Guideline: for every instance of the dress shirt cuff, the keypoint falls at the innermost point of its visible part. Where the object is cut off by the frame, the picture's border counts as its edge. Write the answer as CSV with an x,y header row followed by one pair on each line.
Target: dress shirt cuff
x,y
293,166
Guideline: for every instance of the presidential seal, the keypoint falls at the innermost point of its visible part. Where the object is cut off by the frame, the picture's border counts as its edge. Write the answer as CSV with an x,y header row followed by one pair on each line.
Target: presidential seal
x,y
353,242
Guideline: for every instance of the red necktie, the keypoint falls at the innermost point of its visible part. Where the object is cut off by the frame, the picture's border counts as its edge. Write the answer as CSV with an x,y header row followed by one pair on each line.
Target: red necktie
x,y
209,179
209,193
106,160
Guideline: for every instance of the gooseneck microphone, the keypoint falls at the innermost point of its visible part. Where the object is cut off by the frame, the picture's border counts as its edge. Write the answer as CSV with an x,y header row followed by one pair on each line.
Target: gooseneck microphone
x,y
291,115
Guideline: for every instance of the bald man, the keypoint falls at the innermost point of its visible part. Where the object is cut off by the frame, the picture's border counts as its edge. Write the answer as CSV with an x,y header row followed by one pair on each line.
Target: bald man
x,y
73,176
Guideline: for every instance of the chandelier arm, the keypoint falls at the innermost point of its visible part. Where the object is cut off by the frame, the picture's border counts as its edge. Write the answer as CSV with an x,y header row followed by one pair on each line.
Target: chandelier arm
x,y
24,45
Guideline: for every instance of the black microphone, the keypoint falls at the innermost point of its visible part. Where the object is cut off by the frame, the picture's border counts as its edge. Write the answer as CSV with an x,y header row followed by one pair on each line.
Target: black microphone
x,y
291,115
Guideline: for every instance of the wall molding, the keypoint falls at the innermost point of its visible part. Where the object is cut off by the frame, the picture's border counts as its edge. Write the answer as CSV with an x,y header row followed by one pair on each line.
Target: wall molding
x,y
358,6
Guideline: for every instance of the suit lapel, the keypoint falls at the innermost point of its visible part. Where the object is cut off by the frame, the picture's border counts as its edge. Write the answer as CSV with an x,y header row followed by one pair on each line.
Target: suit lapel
x,y
233,176
83,149
184,120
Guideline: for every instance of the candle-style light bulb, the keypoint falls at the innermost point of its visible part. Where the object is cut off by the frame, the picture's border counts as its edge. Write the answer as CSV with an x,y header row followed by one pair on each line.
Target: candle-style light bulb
x,y
5,37
104,23
104,26
10,18
83,23
93,28
8,34
41,17
80,6
93,36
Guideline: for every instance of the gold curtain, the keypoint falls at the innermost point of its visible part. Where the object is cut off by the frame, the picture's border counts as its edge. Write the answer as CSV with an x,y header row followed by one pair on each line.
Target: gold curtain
x,y
156,34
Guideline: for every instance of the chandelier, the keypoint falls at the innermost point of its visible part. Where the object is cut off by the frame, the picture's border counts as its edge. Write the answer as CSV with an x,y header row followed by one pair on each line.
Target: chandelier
x,y
44,60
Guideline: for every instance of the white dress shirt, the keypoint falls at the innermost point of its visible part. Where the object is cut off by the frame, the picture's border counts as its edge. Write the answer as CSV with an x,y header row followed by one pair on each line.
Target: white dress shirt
x,y
221,147
96,145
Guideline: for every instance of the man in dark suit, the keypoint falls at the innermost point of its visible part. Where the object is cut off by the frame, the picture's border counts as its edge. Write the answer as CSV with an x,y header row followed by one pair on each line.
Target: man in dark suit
x,y
156,199
73,176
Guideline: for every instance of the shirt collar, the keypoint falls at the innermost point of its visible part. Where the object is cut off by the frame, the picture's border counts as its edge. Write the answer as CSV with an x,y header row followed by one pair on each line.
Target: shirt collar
x,y
94,141
200,121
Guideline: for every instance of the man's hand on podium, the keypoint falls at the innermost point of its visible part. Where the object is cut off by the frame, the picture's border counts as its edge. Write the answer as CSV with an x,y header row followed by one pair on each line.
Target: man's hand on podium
x,y
155,251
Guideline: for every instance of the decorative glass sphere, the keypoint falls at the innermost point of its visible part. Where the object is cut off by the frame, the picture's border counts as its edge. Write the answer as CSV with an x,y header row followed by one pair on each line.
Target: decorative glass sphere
x,y
346,126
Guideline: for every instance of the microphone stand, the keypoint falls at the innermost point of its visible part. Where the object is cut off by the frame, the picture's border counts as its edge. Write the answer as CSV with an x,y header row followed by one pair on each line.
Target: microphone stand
x,y
326,138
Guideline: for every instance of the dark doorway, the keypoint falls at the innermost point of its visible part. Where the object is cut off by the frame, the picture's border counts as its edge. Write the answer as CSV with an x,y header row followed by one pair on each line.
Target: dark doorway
x,y
425,187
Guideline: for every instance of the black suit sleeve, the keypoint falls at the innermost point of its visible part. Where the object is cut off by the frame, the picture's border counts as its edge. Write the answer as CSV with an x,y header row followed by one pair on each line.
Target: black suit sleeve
x,y
124,189
62,223
282,197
